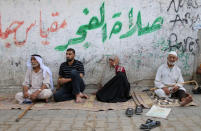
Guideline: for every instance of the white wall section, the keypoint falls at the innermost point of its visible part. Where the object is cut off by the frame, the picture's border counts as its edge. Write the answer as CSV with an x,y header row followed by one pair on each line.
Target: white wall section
x,y
140,32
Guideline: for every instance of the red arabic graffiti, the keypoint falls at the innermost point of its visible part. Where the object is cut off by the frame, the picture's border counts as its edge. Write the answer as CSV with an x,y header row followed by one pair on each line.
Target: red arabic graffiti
x,y
7,44
21,43
15,25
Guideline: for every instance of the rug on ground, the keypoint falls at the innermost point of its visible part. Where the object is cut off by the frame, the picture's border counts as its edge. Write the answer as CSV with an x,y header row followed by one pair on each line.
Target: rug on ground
x,y
89,104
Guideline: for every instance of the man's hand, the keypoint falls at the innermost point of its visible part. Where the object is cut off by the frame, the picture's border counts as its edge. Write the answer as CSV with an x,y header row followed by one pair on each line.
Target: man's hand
x,y
176,88
61,81
166,90
34,95
26,94
81,75
25,91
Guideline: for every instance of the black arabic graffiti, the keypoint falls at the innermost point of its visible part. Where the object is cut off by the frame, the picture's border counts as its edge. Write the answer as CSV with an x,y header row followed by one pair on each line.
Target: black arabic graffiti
x,y
187,19
176,9
180,4
192,4
188,44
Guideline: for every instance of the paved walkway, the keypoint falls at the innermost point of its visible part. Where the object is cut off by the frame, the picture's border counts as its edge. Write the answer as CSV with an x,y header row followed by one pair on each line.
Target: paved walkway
x,y
180,119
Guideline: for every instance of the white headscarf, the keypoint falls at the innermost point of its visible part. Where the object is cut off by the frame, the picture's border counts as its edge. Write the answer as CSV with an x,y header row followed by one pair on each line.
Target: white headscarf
x,y
43,67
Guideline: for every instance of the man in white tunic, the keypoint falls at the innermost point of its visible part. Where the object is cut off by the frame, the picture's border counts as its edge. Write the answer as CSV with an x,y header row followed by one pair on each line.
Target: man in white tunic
x,y
168,81
38,81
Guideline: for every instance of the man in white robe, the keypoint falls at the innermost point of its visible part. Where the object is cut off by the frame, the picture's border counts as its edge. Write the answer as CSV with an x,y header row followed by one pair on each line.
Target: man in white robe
x,y
168,81
38,82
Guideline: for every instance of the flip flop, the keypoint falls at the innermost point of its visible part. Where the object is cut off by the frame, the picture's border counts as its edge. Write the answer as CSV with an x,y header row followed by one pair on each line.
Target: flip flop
x,y
148,121
138,110
151,124
129,112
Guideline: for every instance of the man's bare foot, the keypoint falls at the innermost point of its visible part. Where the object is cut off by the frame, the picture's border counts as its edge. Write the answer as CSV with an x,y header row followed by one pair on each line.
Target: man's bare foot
x,y
82,95
78,99
47,100
85,96
100,86
93,93
187,95
186,100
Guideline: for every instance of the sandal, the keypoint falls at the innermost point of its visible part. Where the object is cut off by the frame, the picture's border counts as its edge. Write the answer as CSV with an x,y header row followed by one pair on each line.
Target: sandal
x,y
151,124
129,112
148,121
138,110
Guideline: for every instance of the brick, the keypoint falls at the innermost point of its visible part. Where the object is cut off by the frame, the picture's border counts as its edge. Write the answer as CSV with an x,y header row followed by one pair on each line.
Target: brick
x,y
53,126
127,128
50,129
195,128
100,123
65,126
67,120
78,124
99,129
169,129
89,124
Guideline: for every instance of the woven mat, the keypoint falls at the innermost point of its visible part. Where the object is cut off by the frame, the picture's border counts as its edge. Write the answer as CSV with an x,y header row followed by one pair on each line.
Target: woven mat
x,y
143,99
89,104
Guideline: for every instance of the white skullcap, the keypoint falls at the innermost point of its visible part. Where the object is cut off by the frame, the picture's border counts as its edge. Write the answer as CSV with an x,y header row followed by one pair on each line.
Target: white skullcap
x,y
172,53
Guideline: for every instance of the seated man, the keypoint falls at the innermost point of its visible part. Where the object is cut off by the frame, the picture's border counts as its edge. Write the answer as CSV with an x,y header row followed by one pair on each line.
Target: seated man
x,y
38,82
168,79
118,88
70,84
198,79
199,70
198,76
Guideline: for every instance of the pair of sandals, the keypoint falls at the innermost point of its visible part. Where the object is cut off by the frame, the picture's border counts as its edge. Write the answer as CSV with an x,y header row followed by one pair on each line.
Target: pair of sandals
x,y
150,124
130,111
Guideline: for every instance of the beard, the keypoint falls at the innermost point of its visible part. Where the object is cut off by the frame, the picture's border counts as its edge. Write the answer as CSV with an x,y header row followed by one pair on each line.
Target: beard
x,y
34,64
171,63
68,60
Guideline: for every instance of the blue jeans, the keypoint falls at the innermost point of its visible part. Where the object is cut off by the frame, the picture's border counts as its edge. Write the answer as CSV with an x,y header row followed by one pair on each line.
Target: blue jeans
x,y
69,90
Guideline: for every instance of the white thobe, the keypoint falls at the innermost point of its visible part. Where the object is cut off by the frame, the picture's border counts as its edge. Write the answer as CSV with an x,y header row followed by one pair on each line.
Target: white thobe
x,y
166,76
35,81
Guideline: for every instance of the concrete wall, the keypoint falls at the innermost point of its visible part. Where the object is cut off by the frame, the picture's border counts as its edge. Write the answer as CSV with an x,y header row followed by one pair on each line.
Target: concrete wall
x,y
140,32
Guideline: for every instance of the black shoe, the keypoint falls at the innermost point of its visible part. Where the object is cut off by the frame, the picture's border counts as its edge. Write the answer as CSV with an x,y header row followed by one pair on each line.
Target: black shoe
x,y
197,91
138,110
151,124
129,112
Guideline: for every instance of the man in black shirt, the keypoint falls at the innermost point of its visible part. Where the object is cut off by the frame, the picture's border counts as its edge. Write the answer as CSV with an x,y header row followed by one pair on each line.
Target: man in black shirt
x,y
70,84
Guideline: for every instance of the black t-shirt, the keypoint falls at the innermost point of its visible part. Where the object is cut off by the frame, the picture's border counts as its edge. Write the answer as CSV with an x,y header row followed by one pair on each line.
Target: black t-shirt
x,y
65,69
